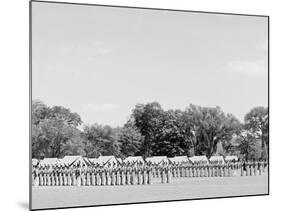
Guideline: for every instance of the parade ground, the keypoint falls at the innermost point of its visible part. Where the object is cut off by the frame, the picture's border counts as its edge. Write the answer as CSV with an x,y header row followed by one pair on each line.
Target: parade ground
x,y
179,188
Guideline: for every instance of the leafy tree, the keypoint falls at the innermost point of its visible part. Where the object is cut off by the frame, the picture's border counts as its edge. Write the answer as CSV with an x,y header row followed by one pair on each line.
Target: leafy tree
x,y
209,127
172,136
39,112
147,119
101,140
256,122
61,139
60,113
54,131
150,131
247,146
131,140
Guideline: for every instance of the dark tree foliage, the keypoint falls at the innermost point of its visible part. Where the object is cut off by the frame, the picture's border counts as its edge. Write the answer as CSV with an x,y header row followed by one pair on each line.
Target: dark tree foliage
x,y
101,140
55,132
172,136
147,120
150,131
248,147
131,140
39,112
209,127
256,122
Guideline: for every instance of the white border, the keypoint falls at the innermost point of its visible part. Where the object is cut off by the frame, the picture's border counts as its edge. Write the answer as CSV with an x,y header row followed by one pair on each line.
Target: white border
x,y
14,86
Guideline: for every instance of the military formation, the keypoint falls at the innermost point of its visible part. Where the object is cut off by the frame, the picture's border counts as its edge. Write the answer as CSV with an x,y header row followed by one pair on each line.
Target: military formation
x,y
138,173
220,170
95,175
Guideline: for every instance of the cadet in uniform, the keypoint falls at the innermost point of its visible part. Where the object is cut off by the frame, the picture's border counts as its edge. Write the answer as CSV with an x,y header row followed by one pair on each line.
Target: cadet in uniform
x,y
128,176
118,176
78,176
149,179
36,177
98,176
103,179
123,176
113,175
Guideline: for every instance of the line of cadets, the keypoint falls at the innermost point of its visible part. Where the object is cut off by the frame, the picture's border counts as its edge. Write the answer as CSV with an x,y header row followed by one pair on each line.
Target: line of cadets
x,y
95,175
218,169
138,173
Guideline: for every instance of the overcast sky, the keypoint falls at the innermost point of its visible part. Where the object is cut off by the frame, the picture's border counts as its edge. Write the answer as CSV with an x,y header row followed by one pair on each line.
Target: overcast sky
x,y
101,61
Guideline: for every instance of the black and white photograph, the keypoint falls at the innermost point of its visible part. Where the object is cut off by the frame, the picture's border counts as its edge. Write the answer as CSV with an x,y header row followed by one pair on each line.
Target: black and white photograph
x,y
135,105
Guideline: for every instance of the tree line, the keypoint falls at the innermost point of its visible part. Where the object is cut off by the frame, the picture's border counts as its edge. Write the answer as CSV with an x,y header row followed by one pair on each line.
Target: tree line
x,y
151,131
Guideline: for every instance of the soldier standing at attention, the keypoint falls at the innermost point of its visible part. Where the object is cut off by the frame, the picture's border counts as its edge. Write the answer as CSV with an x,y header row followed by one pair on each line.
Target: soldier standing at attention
x,y
113,175
66,179
203,170
118,175
78,175
41,176
228,170
50,172
144,172
103,179
87,176
186,169
124,175
251,168
162,175
178,170
214,169
255,168
259,168
57,175
83,174
133,175
149,179
108,175
98,175
168,173
93,175
139,175
195,170
68,176
243,169
33,175
36,177
122,172
53,175
128,176
73,175
247,169
65,176
44,175
174,170
60,175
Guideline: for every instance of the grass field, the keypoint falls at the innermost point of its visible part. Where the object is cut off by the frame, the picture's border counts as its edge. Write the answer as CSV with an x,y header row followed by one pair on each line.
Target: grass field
x,y
180,188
